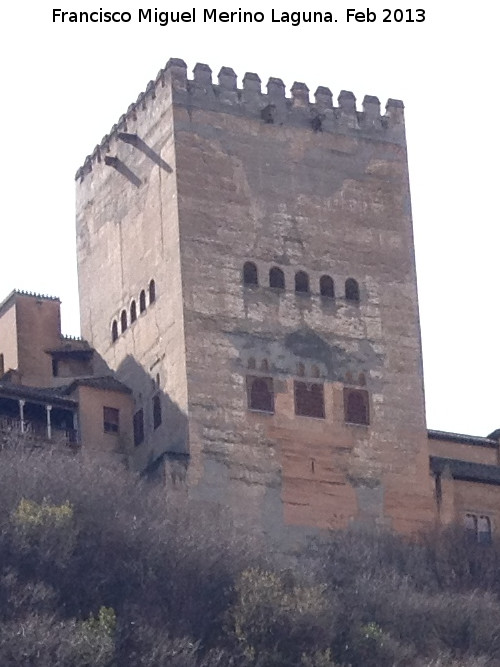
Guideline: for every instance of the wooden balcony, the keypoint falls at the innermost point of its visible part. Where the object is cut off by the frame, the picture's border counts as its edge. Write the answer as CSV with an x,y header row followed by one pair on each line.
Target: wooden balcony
x,y
35,432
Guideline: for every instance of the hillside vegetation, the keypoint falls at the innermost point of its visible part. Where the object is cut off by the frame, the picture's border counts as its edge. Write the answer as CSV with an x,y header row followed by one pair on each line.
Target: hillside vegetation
x,y
101,569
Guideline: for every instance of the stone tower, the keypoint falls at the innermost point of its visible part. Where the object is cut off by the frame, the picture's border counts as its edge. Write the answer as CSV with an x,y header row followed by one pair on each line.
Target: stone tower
x,y
246,266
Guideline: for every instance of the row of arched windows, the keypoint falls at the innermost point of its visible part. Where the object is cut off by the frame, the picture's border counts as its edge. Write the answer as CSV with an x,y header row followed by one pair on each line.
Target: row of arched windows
x,y
302,284
130,317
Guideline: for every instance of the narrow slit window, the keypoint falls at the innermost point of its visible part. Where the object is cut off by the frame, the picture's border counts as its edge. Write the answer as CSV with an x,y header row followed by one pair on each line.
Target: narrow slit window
x,y
123,320
156,411
139,427
114,331
152,291
142,301
302,282
326,287
276,278
309,399
260,394
133,312
351,290
250,275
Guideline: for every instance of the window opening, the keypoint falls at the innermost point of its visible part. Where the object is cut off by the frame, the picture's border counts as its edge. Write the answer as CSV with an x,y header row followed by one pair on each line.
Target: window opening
x,y
139,427
250,275
351,290
152,292
356,406
302,282
133,312
123,320
156,411
111,420
114,331
309,399
326,287
276,278
260,394
142,301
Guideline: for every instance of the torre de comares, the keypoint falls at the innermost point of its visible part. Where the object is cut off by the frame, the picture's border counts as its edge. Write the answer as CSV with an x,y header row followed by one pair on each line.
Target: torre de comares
x,y
246,268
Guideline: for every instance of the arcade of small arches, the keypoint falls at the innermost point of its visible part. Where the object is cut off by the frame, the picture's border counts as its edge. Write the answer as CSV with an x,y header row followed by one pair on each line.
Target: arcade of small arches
x,y
128,318
309,398
302,283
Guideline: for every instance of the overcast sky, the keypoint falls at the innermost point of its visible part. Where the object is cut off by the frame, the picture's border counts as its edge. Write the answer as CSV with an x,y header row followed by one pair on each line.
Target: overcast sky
x,y
66,84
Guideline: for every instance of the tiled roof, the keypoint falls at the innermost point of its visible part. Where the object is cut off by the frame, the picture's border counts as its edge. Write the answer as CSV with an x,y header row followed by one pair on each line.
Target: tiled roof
x,y
466,471
462,438
107,382
55,395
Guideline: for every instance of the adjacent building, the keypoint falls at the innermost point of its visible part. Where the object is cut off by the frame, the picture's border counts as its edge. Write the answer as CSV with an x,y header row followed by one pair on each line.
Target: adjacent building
x,y
54,390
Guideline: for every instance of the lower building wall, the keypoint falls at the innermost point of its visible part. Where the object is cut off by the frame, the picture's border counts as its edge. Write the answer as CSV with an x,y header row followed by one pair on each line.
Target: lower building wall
x,y
91,423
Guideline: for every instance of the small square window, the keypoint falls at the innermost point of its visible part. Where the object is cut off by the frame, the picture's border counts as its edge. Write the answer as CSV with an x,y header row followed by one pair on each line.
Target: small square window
x,y
111,420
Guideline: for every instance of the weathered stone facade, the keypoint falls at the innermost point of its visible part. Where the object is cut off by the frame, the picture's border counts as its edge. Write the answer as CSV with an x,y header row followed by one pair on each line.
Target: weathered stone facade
x,y
200,179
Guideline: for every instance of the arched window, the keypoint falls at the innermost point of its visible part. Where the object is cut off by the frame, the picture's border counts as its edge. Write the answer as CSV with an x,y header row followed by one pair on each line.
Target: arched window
x,y
356,406
260,394
123,320
2,365
276,278
351,290
326,287
152,291
133,312
314,371
302,282
264,365
309,399
142,301
484,530
156,411
250,276
251,363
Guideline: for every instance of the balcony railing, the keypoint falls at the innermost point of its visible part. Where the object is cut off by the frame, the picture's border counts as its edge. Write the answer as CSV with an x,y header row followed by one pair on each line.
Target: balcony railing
x,y
36,432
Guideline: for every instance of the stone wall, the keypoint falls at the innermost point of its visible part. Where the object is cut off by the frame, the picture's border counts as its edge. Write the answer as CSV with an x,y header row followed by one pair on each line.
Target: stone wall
x,y
241,175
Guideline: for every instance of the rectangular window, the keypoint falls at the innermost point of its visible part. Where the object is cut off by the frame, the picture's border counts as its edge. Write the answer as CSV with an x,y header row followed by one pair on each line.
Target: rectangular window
x,y
309,399
260,394
356,406
111,420
139,427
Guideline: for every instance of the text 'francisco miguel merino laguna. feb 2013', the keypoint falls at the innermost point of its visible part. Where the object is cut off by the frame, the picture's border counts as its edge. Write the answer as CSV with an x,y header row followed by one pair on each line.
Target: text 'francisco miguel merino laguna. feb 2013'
x,y
211,15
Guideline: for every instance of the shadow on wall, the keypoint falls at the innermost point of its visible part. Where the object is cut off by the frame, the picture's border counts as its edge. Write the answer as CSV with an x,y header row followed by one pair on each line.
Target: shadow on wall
x,y
160,426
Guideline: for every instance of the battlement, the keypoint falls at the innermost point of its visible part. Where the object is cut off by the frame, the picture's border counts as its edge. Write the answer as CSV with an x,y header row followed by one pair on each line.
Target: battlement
x,y
271,107
10,298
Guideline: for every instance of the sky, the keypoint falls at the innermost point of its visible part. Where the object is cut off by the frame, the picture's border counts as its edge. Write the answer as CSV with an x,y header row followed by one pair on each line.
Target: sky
x,y
66,84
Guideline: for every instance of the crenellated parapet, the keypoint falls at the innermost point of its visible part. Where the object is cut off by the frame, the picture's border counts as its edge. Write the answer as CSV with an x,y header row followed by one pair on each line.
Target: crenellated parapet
x,y
271,106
